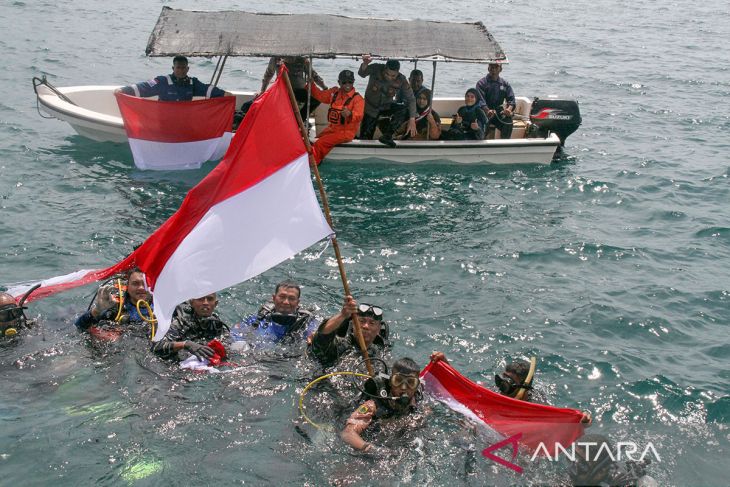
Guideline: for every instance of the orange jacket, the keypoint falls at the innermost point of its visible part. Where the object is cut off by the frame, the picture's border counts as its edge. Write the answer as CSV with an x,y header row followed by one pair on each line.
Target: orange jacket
x,y
338,99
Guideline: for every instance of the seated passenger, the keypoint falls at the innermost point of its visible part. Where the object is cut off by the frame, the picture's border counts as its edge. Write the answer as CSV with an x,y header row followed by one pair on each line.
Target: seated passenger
x,y
335,337
177,86
280,318
384,398
107,308
493,91
428,122
470,122
193,325
344,116
415,80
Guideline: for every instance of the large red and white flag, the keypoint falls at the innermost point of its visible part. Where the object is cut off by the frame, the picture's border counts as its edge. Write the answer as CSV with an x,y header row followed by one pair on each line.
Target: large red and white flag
x,y
538,427
176,134
256,209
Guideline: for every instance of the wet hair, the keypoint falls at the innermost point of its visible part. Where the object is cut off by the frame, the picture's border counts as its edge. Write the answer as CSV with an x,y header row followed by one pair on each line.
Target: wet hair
x,y
7,296
416,72
179,59
289,284
520,368
405,366
392,64
131,271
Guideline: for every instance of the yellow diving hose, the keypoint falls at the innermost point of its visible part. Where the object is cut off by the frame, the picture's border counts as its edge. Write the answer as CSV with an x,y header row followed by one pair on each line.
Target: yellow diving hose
x,y
151,320
314,382
121,301
528,380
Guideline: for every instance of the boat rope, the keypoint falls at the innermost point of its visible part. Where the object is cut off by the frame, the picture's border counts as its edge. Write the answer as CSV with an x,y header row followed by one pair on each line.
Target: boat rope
x,y
312,384
43,81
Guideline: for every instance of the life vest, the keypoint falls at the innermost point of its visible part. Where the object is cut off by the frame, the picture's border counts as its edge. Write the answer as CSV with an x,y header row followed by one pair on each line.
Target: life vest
x,y
334,114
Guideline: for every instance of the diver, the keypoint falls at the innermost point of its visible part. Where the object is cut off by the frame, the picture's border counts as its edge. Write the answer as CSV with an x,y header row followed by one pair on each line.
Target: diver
x,y
193,325
278,319
594,466
335,337
516,381
12,314
385,396
118,305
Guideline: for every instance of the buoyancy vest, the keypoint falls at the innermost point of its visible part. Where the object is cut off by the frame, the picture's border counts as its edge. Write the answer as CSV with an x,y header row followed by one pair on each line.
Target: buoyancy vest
x,y
334,114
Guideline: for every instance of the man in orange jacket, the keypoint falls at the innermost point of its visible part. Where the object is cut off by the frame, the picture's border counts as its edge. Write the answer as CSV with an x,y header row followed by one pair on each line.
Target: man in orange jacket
x,y
344,115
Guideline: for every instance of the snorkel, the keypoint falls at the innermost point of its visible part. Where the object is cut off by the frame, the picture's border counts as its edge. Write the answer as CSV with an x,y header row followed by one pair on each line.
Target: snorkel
x,y
527,383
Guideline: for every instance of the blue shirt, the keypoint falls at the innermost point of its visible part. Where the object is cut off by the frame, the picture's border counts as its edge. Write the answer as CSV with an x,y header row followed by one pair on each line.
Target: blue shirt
x,y
493,93
267,330
170,88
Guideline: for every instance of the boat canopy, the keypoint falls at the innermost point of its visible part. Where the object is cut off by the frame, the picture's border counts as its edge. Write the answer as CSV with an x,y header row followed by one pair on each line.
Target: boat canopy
x,y
236,33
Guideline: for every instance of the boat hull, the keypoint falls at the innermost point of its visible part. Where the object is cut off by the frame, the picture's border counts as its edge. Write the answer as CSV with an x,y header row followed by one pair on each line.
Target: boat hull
x,y
94,114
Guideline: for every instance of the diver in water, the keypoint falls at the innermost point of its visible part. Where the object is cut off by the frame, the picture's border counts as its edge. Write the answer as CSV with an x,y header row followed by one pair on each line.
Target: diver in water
x,y
335,337
12,315
516,381
385,396
595,466
278,319
118,306
193,325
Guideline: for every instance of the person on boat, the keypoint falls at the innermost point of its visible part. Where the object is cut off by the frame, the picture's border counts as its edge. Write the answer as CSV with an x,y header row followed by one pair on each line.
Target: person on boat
x,y
12,316
415,79
111,308
344,115
385,83
177,86
516,380
193,325
335,337
278,319
497,100
298,67
470,122
428,122
385,399
597,463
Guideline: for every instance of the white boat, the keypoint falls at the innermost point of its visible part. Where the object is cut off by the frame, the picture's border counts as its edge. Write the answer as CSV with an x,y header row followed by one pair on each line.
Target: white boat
x,y
540,126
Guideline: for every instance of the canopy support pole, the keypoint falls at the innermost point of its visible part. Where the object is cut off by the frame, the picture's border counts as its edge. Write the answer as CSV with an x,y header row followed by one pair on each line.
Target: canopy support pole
x,y
328,216
217,65
433,86
220,71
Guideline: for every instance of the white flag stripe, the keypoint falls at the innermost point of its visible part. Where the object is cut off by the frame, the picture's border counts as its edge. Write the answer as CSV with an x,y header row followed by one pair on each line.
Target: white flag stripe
x,y
242,237
164,156
20,289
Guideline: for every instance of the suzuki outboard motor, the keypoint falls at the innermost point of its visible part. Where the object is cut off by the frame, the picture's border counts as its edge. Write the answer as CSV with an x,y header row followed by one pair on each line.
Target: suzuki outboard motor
x,y
552,114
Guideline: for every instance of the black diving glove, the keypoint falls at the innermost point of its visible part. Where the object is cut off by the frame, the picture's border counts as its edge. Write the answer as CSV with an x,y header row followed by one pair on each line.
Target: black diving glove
x,y
201,351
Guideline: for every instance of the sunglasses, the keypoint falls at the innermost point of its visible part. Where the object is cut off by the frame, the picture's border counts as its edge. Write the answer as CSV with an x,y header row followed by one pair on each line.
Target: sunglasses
x,y
11,313
369,309
508,386
409,382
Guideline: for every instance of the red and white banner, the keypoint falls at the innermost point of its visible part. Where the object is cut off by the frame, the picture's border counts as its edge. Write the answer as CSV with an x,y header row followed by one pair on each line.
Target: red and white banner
x,y
533,424
256,209
176,134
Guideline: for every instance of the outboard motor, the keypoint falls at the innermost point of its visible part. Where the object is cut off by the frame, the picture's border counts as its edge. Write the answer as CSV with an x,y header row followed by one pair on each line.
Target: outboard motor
x,y
552,114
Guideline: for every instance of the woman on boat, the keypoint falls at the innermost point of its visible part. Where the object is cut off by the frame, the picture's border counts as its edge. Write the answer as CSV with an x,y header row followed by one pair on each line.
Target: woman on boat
x,y
344,115
428,122
470,122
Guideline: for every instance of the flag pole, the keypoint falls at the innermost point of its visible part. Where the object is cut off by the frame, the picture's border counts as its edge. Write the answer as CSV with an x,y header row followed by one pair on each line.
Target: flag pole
x,y
355,321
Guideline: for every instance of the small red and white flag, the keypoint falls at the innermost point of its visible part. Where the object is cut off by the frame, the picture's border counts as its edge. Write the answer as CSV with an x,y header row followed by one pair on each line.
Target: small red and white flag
x,y
538,427
256,209
176,134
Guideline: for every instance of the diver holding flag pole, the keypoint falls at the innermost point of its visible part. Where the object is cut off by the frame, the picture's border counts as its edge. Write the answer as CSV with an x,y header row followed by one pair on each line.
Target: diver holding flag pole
x,y
325,204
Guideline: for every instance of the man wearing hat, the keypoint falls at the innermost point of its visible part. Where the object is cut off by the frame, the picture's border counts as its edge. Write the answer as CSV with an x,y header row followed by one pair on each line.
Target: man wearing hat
x,y
344,115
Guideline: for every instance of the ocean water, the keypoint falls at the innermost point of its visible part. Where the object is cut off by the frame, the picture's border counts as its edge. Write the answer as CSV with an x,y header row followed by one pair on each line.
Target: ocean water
x,y
610,265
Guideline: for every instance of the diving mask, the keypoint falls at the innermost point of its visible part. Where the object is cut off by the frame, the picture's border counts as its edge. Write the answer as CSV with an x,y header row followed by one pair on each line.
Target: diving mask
x,y
370,310
409,382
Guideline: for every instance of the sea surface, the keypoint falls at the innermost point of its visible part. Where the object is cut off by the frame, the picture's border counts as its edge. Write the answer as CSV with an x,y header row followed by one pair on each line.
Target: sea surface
x,y
609,265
